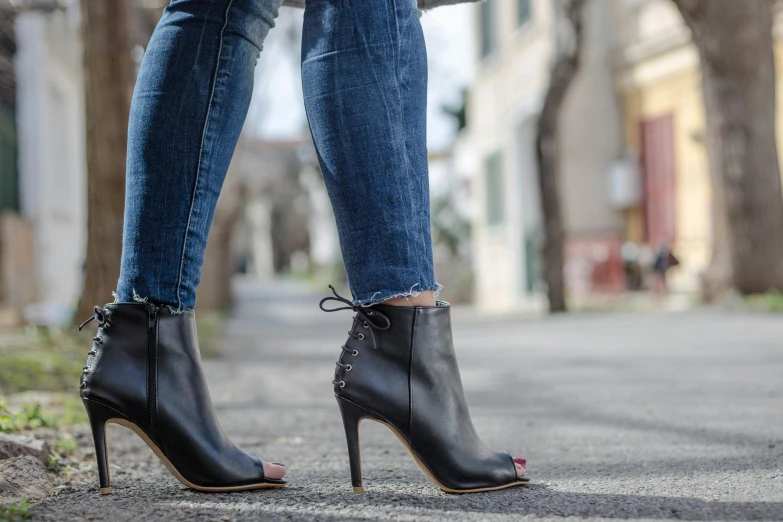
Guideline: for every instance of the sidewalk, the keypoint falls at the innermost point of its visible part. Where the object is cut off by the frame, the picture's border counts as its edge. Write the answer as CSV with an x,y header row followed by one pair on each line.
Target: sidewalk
x,y
656,416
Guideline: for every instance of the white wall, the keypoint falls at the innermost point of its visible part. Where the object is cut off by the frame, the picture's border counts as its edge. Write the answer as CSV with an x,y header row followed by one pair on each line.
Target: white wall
x,y
52,164
504,104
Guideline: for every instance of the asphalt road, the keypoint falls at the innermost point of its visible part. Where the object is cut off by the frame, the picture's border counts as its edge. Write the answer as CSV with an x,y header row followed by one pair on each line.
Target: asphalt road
x,y
656,416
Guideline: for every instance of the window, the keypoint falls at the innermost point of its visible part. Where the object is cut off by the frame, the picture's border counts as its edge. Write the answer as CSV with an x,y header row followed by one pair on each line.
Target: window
x,y
494,179
488,37
523,12
9,177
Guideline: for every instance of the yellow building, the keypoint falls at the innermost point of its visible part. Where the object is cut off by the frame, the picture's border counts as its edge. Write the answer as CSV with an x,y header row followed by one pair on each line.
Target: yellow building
x,y
664,121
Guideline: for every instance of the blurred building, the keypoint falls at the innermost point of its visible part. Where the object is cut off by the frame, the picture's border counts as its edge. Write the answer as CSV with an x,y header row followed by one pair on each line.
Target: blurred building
x,y
663,118
516,41
288,224
50,129
634,162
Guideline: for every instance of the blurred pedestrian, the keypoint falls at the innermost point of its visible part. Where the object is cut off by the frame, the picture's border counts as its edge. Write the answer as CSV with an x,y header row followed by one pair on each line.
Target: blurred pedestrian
x,y
630,253
664,261
364,68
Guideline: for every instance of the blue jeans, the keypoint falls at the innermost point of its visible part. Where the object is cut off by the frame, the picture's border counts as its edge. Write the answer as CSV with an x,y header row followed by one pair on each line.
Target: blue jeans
x,y
364,75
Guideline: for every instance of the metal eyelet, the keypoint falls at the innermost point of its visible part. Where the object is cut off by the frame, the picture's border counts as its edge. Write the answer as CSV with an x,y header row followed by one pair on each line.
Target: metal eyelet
x,y
361,336
355,353
87,368
366,325
348,368
98,339
83,385
370,313
342,384
92,352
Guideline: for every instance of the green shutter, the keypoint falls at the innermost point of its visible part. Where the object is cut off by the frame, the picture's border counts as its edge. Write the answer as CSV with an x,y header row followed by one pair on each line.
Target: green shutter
x,y
523,12
488,28
9,177
494,179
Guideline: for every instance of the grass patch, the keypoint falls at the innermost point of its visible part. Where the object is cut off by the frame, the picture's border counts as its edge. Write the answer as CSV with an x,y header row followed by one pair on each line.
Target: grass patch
x,y
768,302
31,417
15,511
41,359
59,410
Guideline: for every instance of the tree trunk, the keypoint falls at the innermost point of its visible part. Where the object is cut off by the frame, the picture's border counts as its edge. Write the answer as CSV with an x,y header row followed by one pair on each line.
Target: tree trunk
x,y
718,278
569,26
214,291
735,44
108,84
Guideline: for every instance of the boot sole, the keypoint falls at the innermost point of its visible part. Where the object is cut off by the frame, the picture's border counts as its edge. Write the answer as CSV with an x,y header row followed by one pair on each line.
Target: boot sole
x,y
352,412
433,479
158,453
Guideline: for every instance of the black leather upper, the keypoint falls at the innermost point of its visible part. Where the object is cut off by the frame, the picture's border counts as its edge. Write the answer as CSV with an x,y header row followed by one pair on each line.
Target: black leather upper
x,y
411,380
148,367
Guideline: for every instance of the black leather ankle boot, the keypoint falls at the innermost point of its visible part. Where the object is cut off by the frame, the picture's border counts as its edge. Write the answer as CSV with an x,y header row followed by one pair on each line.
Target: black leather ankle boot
x,y
398,368
144,372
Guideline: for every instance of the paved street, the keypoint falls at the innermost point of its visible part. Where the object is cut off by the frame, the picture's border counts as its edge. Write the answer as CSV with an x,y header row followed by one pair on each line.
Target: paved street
x,y
657,416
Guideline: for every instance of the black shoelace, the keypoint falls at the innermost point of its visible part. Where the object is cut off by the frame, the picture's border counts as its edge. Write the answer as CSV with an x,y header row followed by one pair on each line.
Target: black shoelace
x,y
370,319
100,316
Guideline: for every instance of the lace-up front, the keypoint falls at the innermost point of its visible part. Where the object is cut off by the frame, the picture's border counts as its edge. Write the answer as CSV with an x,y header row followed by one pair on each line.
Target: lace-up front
x,y
369,319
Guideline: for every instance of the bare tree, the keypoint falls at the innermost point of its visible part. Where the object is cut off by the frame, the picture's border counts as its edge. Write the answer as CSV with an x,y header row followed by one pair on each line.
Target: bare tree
x,y
108,84
735,45
569,26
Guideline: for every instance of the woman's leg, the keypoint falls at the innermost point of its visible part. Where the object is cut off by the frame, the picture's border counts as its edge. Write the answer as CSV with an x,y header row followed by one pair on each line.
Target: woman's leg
x,y
189,105
364,70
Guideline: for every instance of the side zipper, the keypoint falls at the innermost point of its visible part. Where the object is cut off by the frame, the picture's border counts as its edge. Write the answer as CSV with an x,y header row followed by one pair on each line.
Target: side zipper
x,y
152,366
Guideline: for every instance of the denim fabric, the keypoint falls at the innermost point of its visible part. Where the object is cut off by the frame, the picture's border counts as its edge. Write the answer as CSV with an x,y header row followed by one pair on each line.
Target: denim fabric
x,y
364,73
365,89
189,105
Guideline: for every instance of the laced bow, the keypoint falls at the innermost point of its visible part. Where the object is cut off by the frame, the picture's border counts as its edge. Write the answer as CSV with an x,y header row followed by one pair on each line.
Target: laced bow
x,y
100,316
372,319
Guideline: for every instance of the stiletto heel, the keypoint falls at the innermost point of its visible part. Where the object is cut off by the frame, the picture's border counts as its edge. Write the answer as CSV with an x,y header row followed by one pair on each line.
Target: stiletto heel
x,y
99,416
352,416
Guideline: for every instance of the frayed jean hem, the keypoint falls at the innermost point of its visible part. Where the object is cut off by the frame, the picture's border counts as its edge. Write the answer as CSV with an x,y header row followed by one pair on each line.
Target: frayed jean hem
x,y
143,300
385,295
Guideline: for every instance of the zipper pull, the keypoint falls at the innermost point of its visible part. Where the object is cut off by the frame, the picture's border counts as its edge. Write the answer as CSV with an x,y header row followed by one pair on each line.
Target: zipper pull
x,y
152,314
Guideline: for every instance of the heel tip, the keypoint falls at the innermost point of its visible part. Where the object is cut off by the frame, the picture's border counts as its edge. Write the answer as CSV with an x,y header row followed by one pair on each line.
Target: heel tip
x,y
359,489
105,491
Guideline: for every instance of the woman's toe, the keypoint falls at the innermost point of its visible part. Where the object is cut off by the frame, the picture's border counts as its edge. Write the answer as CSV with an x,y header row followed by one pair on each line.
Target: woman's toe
x,y
521,465
274,470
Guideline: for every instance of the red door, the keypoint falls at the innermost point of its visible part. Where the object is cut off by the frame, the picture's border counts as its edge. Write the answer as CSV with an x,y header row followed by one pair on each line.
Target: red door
x,y
657,137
